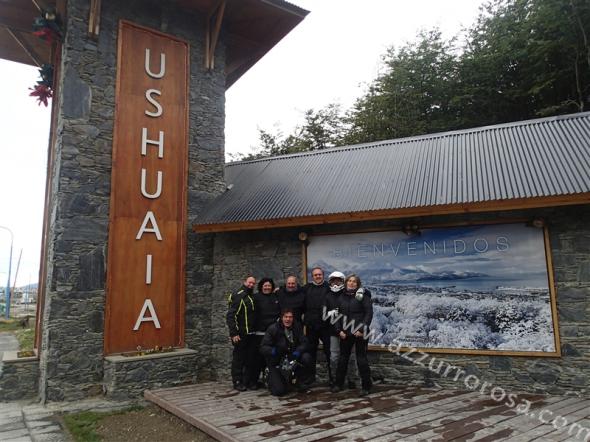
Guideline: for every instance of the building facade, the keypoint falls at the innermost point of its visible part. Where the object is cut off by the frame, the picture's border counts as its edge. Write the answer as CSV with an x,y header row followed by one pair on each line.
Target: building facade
x,y
260,217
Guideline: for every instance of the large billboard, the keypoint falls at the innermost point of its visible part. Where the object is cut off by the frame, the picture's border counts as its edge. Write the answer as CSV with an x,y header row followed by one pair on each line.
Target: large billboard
x,y
482,288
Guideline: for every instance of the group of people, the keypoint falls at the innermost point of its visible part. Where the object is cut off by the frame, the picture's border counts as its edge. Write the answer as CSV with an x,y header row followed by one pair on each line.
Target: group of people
x,y
280,329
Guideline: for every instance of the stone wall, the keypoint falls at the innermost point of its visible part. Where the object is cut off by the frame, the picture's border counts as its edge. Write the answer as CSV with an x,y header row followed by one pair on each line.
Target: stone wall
x,y
277,252
71,354
19,377
127,377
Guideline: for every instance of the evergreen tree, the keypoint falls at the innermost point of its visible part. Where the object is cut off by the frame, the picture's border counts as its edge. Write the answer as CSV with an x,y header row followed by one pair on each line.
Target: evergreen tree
x,y
522,59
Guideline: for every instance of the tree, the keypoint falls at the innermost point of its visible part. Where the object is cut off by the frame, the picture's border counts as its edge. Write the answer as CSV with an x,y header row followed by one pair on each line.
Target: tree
x,y
320,129
413,95
522,59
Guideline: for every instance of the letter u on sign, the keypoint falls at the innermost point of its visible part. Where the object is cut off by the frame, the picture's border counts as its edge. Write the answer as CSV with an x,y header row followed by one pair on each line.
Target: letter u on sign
x,y
162,65
147,230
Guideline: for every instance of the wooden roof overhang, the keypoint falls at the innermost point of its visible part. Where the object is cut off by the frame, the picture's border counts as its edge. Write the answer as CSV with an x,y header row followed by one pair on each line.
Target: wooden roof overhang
x,y
408,212
251,28
17,42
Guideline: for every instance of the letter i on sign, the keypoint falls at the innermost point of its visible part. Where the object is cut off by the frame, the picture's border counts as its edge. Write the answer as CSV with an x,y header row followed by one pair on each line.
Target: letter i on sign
x,y
148,269
148,307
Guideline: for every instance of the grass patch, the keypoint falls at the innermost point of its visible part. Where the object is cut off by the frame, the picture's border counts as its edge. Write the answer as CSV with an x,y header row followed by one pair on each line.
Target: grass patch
x,y
24,335
26,338
9,325
82,426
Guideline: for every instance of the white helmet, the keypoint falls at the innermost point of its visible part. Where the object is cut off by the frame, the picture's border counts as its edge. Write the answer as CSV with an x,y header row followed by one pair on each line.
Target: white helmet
x,y
359,294
336,275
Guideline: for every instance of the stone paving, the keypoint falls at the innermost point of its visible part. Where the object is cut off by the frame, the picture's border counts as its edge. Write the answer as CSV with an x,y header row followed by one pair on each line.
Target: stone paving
x,y
32,422
8,342
29,421
25,422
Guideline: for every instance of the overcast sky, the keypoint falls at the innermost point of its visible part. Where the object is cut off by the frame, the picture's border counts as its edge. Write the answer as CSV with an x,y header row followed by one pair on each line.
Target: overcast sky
x,y
23,158
330,57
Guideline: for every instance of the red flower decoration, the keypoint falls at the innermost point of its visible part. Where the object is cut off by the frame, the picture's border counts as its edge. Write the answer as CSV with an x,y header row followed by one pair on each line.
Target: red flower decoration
x,y
42,92
47,34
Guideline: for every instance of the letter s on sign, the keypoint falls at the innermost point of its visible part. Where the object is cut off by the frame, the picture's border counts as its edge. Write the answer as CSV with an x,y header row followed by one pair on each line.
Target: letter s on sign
x,y
502,244
152,100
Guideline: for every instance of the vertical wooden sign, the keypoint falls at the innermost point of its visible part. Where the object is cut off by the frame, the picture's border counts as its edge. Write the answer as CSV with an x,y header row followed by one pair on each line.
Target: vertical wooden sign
x,y
145,263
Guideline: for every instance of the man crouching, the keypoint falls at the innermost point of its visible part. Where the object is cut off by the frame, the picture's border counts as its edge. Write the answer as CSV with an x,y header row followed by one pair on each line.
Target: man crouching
x,y
287,355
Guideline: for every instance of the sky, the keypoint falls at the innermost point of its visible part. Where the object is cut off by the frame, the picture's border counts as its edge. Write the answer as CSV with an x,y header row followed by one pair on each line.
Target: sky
x,y
329,58
23,168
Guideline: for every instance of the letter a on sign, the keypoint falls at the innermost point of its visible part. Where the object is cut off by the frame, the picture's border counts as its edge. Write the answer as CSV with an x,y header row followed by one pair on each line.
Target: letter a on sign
x,y
147,305
149,218
148,205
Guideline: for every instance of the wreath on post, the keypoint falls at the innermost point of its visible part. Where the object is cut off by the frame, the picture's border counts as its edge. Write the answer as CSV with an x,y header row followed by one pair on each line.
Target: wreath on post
x,y
48,26
43,90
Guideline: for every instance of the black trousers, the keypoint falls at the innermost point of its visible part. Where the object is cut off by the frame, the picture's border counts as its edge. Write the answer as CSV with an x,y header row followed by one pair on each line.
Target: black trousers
x,y
314,336
241,360
279,384
256,360
362,361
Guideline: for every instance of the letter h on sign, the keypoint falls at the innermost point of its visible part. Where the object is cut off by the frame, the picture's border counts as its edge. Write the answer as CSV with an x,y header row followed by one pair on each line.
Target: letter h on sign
x,y
147,228
149,216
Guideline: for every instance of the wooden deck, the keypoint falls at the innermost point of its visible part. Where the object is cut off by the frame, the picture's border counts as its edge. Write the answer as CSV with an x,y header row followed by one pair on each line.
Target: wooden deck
x,y
389,414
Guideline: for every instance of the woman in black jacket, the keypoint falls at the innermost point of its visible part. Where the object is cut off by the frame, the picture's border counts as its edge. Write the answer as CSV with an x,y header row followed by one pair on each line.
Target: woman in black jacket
x,y
356,309
266,303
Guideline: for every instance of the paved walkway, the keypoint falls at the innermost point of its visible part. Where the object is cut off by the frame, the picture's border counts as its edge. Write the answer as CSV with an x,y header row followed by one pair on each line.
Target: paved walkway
x,y
23,422
30,422
8,342
27,421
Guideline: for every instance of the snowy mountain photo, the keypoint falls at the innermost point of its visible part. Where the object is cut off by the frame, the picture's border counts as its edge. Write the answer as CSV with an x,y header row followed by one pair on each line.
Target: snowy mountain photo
x,y
476,287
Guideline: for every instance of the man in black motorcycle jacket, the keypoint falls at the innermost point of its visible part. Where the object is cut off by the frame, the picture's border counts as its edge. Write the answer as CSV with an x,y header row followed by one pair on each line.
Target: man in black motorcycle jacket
x,y
286,351
291,297
317,328
240,322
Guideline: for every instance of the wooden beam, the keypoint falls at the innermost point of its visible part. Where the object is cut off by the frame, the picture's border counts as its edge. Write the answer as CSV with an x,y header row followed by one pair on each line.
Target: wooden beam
x,y
18,16
212,36
37,5
55,60
216,31
27,48
207,42
94,19
447,209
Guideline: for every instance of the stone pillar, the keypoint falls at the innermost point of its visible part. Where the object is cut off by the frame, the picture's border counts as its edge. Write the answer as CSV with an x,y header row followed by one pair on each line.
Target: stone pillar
x,y
71,353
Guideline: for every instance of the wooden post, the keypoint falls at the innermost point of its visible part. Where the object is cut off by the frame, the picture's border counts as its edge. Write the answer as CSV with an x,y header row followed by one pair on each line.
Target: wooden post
x,y
212,35
94,19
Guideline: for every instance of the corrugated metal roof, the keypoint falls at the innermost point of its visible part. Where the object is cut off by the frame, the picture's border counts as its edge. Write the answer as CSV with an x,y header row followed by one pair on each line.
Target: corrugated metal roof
x,y
529,159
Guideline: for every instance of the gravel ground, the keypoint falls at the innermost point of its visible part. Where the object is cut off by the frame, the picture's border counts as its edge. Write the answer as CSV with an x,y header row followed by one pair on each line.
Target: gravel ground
x,y
149,424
